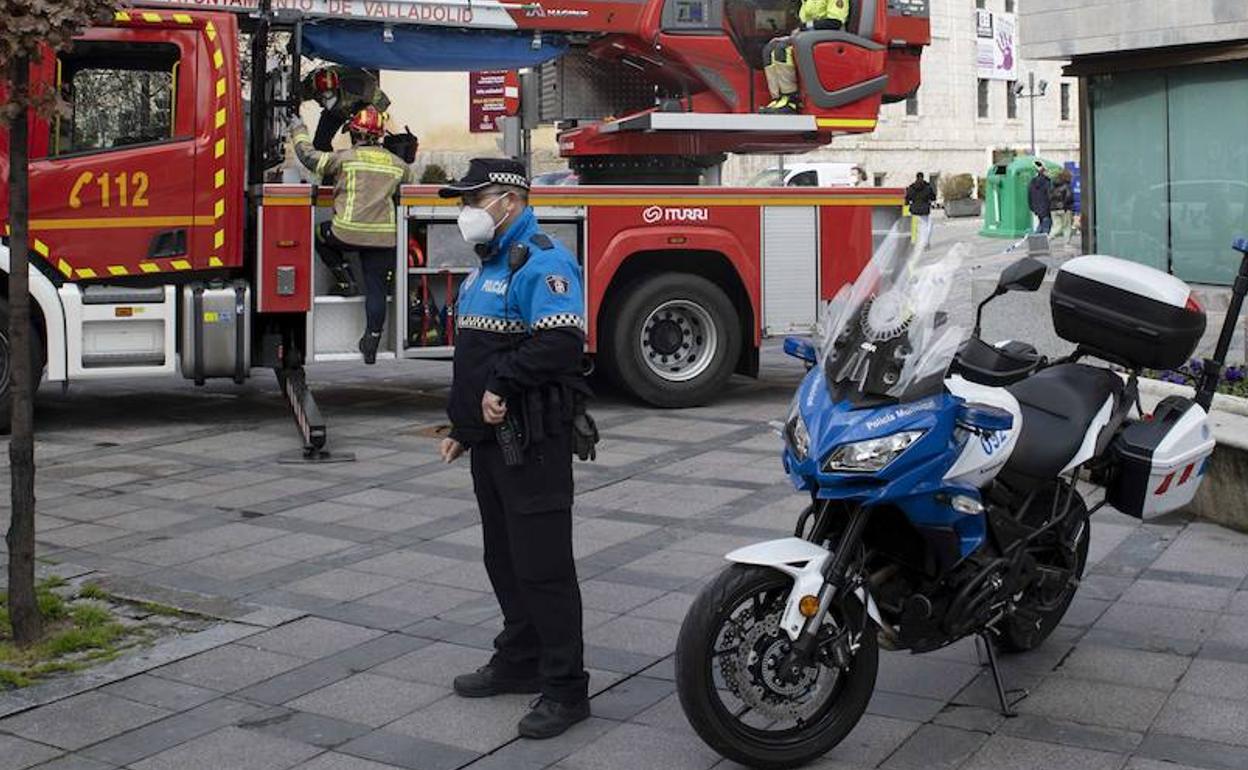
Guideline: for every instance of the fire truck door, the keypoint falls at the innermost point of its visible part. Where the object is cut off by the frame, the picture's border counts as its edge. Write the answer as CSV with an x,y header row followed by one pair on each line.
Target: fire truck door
x,y
113,188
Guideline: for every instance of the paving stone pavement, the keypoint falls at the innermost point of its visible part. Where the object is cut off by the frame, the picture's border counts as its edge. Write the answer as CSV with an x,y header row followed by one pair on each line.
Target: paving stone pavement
x,y
377,565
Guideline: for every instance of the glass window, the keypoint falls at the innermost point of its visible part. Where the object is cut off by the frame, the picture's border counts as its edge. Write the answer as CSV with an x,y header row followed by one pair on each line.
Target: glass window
x,y
1208,185
1009,6
754,23
979,4
1129,140
805,179
1011,100
1171,169
1065,101
912,104
119,94
983,98
880,179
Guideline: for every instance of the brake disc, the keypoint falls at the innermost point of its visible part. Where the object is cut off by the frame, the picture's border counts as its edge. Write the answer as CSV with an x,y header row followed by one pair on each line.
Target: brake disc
x,y
752,674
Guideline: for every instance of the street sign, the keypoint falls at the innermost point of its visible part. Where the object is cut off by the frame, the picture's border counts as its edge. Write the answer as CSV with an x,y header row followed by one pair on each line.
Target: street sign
x,y
492,94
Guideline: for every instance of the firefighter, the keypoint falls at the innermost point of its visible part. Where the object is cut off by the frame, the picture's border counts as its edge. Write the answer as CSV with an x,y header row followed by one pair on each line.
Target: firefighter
x,y
364,217
342,92
516,378
779,67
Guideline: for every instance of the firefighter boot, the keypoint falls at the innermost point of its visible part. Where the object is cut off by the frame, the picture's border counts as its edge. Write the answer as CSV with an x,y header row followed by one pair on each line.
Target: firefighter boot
x,y
344,281
368,346
787,104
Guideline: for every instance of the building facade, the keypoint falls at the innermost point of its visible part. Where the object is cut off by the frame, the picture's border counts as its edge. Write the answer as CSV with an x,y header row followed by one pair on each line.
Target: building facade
x,y
1164,110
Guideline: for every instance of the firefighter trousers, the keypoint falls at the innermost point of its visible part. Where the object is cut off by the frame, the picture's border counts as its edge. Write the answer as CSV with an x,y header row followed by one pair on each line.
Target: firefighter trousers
x,y
376,265
526,518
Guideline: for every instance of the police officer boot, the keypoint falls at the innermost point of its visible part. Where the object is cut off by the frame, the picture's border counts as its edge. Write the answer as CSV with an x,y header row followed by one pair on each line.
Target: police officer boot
x,y
488,681
368,346
550,718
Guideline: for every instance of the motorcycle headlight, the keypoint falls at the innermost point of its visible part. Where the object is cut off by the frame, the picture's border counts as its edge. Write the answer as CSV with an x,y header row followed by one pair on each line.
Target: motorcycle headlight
x,y
796,435
872,455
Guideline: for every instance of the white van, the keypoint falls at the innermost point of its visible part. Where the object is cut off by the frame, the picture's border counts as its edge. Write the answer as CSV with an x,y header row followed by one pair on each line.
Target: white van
x,y
808,175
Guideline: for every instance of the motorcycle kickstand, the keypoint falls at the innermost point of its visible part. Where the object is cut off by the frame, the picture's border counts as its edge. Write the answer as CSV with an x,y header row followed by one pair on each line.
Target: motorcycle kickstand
x,y
1003,695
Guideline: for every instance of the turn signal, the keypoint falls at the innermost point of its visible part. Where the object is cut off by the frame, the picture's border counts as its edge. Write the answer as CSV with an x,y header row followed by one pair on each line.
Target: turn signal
x,y
808,606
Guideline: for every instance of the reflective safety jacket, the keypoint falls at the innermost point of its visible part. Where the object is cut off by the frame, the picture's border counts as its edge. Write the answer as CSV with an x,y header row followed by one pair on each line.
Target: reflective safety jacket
x,y
821,10
357,89
517,330
366,178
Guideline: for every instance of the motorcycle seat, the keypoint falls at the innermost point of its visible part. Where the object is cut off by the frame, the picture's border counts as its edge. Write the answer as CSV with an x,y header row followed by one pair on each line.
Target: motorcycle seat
x,y
1058,405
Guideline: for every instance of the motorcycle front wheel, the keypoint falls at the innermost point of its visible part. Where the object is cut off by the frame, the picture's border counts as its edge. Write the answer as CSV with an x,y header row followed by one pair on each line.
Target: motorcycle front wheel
x,y
732,692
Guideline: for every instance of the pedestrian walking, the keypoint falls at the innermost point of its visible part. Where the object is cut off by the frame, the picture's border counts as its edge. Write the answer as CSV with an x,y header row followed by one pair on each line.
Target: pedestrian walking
x,y
1062,202
1039,198
919,197
514,405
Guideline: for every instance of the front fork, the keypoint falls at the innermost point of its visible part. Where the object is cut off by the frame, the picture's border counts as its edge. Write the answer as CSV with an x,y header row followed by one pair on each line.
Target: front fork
x,y
801,654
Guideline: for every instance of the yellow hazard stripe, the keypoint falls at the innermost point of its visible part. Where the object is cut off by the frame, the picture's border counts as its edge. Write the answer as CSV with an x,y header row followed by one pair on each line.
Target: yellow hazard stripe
x,y
362,227
118,270
149,267
220,117
64,267
219,150
215,262
182,18
85,272
152,18
218,59
846,122
118,223
220,87
219,180
180,264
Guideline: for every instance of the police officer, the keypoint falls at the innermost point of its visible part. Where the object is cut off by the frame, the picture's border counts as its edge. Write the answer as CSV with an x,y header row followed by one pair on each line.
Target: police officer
x,y
517,367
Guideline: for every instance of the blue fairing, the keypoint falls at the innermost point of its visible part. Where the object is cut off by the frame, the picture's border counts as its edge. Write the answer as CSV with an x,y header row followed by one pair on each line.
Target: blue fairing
x,y
913,482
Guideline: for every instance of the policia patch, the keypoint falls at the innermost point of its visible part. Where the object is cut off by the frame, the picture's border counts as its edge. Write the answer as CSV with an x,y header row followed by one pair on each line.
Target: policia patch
x,y
558,284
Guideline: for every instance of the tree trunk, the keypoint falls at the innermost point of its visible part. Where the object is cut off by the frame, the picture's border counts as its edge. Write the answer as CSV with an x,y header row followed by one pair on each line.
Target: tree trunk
x,y
23,607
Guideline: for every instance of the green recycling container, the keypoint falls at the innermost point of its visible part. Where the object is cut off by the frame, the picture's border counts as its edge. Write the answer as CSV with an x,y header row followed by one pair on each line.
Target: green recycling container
x,y
1006,213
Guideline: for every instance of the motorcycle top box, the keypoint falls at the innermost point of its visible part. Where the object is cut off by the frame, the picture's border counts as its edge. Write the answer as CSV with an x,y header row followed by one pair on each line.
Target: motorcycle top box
x,y
1127,312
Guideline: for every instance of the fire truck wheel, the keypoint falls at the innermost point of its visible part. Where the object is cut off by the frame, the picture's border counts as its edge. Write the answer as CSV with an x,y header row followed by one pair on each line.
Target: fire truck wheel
x,y
673,341
6,370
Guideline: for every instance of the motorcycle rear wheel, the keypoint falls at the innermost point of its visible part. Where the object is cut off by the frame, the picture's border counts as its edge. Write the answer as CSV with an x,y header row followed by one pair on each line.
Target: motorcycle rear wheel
x,y
701,695
1019,635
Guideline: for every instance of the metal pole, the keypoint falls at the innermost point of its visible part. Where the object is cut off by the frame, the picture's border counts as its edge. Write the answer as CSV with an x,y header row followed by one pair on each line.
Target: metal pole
x,y
1031,97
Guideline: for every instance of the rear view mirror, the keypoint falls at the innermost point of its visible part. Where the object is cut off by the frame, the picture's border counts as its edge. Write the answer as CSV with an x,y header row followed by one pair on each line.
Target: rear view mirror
x,y
1027,274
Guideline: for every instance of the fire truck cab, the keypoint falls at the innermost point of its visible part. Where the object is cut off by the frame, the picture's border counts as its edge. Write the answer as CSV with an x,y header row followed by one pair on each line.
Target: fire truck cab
x,y
162,241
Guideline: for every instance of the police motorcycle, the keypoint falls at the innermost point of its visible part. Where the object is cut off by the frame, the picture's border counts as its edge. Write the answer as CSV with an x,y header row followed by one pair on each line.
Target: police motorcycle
x,y
942,475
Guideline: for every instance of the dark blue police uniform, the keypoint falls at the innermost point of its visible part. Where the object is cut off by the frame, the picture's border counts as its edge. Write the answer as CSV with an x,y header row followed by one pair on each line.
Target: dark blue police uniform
x,y
520,320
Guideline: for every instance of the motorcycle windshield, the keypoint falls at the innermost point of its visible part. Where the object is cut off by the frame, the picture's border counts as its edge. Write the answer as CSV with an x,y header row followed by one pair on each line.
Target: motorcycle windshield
x,y
885,336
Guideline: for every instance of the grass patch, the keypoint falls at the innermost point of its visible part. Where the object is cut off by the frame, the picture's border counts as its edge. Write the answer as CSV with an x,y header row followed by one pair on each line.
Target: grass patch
x,y
156,608
77,634
93,591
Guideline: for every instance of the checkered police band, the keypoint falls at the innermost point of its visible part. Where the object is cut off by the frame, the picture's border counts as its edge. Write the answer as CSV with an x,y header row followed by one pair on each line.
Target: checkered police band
x,y
499,326
514,180
486,324
560,321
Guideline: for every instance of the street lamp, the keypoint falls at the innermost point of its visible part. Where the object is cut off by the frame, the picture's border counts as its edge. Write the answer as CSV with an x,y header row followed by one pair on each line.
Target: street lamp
x,y
1032,92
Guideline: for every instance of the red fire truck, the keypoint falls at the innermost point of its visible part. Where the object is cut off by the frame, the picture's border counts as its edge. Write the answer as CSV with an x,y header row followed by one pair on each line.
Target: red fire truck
x,y
164,243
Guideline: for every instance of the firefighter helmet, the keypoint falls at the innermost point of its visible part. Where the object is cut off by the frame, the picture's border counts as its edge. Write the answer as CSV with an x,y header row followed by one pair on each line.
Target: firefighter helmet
x,y
369,122
325,81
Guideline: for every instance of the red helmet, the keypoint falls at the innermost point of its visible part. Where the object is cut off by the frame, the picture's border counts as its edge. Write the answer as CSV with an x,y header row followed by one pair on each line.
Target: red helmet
x,y
324,81
369,122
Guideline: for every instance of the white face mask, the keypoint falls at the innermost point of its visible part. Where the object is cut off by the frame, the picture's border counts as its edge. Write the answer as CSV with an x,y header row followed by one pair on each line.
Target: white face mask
x,y
477,225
